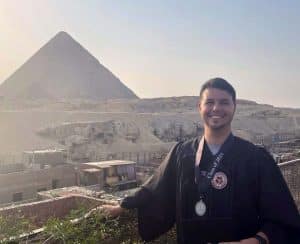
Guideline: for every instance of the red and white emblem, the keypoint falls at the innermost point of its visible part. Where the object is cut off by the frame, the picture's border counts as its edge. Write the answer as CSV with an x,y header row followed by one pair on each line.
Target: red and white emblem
x,y
219,181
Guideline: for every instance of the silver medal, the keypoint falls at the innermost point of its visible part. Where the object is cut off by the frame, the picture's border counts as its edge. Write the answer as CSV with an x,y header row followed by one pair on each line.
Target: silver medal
x,y
200,208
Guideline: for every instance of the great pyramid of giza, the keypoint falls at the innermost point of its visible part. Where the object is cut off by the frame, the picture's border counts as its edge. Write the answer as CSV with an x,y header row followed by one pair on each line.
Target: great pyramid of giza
x,y
63,69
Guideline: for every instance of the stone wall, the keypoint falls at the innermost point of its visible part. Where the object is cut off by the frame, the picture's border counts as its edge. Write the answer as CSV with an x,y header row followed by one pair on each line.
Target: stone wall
x,y
39,212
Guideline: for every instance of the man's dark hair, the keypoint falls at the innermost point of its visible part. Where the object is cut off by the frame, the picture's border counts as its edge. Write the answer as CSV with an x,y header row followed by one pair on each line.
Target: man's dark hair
x,y
221,84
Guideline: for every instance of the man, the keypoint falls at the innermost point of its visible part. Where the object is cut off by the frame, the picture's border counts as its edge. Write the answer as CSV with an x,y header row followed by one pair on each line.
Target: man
x,y
218,188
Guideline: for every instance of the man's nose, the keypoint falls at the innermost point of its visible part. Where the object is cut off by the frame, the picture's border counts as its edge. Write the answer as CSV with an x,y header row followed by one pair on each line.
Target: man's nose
x,y
216,106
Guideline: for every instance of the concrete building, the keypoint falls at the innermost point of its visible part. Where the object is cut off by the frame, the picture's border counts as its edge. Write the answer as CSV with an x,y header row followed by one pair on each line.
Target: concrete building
x,y
117,174
47,169
6,168
40,159
39,170
20,186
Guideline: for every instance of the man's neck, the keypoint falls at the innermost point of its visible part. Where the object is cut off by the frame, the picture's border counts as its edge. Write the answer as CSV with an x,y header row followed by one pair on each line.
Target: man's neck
x,y
216,137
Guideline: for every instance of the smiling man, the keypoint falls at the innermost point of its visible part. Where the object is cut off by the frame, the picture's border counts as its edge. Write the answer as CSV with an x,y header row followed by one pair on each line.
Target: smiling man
x,y
217,107
218,188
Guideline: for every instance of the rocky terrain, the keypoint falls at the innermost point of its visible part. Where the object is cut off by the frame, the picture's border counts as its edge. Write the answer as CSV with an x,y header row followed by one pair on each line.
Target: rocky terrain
x,y
135,125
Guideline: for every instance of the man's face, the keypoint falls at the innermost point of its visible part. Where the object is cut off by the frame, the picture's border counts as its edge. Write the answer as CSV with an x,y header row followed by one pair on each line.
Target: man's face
x,y
216,108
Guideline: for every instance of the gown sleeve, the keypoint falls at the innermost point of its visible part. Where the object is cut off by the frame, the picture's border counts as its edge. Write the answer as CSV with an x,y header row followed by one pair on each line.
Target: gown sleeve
x,y
277,210
156,199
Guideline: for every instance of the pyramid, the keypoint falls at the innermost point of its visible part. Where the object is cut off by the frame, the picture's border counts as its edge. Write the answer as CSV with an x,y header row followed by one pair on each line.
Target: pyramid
x,y
63,69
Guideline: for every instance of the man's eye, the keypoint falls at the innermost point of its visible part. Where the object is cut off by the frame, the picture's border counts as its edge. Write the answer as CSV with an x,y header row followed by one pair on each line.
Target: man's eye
x,y
225,102
209,102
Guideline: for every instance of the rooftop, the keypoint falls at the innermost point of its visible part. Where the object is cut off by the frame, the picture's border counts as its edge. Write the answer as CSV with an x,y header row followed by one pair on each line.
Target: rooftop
x,y
107,164
92,170
45,151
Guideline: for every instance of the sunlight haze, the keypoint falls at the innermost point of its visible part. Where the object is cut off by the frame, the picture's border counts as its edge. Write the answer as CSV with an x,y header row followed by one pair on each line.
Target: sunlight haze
x,y
168,48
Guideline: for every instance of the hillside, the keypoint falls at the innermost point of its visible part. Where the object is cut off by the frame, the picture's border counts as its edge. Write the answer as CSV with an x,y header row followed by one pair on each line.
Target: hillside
x,y
129,125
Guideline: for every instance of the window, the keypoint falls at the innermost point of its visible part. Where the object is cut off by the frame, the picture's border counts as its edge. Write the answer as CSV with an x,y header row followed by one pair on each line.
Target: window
x,y
17,197
41,189
55,183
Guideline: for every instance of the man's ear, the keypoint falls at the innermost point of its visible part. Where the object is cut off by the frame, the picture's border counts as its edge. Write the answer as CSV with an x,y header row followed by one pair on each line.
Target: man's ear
x,y
199,105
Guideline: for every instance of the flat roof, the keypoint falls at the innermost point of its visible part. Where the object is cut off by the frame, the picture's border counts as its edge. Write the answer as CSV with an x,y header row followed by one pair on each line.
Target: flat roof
x,y
106,164
45,151
92,170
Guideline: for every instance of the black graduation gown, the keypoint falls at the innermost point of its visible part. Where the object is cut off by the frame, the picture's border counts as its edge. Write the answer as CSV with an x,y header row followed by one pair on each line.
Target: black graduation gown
x,y
256,198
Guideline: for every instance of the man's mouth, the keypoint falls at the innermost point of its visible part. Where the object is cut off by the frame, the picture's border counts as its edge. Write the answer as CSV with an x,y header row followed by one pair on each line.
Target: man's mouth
x,y
216,116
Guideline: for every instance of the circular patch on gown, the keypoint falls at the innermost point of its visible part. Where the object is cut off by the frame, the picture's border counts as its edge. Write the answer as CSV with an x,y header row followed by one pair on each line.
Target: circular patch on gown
x,y
219,181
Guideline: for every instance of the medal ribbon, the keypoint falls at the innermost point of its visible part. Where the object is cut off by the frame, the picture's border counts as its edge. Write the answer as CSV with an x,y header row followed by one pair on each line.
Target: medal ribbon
x,y
203,179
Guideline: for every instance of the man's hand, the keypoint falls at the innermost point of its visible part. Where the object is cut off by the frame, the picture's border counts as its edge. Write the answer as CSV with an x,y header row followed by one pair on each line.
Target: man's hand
x,y
232,242
249,241
245,241
111,210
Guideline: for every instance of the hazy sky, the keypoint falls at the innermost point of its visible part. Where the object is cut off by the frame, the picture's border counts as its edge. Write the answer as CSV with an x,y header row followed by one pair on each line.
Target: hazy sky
x,y
168,48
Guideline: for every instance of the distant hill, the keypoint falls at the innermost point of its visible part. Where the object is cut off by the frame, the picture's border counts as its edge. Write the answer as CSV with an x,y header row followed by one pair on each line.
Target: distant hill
x,y
130,124
63,69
